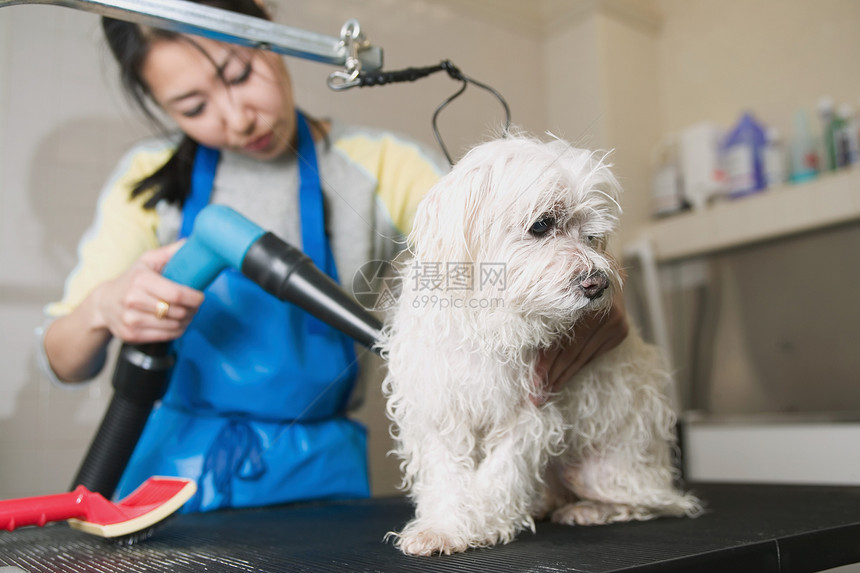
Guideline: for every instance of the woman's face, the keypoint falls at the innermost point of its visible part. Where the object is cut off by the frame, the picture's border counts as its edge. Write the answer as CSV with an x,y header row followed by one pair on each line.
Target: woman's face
x,y
223,96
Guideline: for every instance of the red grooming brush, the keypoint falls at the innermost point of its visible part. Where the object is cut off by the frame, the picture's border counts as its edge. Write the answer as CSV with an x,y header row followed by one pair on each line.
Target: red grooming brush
x,y
156,499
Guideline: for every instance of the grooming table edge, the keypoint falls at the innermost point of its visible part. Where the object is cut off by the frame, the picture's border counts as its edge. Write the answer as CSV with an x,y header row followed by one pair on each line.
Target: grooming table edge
x,y
755,528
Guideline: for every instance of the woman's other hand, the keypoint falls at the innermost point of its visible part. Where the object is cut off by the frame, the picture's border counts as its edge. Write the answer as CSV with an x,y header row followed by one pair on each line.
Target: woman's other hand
x,y
593,336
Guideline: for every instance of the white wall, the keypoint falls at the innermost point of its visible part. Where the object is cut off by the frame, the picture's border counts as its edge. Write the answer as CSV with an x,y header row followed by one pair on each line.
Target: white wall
x,y
61,133
772,57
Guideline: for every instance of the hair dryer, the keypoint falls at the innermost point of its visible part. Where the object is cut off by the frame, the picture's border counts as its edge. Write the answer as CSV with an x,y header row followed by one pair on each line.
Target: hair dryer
x,y
221,238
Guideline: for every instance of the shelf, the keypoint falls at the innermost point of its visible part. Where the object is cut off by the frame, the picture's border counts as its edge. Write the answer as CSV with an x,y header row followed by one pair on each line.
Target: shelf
x,y
830,200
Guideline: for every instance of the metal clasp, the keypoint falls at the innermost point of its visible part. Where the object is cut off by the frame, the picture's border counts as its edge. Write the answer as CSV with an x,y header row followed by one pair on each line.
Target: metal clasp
x,y
353,40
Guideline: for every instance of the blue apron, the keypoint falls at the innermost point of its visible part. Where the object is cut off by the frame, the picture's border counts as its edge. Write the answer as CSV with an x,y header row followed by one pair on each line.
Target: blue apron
x,y
255,410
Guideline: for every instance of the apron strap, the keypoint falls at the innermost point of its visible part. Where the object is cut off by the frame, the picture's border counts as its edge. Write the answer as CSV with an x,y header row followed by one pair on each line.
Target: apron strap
x,y
311,206
237,452
202,180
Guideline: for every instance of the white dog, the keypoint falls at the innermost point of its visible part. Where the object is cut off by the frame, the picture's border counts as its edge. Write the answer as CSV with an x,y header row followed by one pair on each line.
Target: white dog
x,y
508,253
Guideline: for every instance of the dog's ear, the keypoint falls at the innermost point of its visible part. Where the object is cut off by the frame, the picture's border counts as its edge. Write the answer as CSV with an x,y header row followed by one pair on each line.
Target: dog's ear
x,y
446,226
602,189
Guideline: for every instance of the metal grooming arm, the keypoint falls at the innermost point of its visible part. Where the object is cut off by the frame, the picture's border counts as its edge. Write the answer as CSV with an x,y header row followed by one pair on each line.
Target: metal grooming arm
x,y
350,50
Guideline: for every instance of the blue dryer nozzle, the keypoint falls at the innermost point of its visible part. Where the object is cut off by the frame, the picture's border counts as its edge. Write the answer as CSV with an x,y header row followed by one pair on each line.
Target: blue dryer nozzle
x,y
219,240
222,238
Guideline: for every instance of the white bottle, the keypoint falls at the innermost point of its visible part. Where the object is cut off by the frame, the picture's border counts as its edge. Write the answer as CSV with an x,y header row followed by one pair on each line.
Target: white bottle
x,y
699,163
773,158
666,186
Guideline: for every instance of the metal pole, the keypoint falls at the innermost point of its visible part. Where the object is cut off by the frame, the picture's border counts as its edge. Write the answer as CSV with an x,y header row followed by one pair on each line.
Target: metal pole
x,y
222,25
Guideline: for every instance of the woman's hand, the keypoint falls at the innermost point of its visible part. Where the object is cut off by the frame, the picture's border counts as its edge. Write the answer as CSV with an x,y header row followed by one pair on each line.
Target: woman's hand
x,y
139,306
593,336
142,306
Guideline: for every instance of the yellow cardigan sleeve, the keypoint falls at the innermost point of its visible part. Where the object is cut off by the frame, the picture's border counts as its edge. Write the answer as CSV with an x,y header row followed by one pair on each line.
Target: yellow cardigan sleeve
x,y
122,231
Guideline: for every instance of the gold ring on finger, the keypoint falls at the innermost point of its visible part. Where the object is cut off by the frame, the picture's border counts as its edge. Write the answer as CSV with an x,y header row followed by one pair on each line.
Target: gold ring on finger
x,y
161,309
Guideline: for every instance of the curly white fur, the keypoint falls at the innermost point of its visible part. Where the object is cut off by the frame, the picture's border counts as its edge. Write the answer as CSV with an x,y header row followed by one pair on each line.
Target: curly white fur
x,y
481,461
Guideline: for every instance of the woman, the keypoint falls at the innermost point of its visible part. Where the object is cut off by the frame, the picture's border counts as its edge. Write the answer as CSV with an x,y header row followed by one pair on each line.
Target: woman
x,y
256,407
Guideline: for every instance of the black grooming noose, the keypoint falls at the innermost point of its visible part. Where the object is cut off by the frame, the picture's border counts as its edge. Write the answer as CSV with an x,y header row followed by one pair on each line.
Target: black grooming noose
x,y
380,78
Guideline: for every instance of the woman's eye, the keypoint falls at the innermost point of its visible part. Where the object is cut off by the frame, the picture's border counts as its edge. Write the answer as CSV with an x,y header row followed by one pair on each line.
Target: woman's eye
x,y
195,111
542,226
243,76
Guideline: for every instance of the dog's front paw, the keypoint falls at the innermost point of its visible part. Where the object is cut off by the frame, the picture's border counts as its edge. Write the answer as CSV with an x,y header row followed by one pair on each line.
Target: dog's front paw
x,y
428,541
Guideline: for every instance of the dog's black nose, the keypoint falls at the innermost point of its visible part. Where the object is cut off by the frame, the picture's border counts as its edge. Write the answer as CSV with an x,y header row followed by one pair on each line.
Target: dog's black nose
x,y
594,284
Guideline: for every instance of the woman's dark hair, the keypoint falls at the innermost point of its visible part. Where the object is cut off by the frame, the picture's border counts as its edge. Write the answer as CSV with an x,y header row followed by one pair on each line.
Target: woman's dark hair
x,y
130,45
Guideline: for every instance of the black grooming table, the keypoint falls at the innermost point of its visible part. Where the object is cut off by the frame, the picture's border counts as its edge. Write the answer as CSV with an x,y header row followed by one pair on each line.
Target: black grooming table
x,y
748,528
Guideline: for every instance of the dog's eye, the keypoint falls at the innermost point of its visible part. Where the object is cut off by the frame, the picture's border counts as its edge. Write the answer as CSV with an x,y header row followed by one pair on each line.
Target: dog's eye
x,y
542,226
